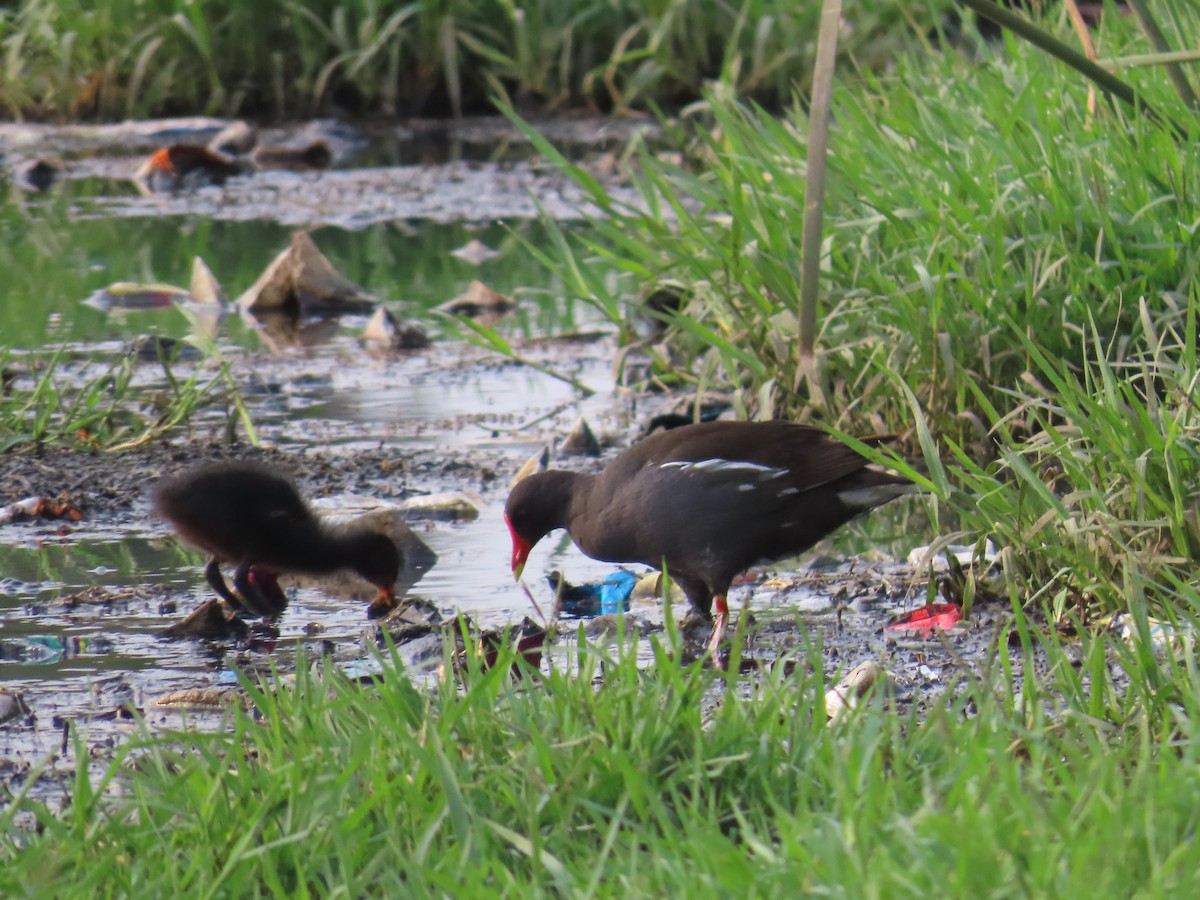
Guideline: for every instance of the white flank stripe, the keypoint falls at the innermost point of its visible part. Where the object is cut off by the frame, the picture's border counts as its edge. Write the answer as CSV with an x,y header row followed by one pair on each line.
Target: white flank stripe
x,y
765,473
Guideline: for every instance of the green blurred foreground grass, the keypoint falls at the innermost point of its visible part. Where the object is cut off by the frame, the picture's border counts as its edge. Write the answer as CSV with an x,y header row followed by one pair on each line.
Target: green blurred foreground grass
x,y
635,785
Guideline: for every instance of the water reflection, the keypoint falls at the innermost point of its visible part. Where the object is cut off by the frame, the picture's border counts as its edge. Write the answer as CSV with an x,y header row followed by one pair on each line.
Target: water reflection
x,y
53,259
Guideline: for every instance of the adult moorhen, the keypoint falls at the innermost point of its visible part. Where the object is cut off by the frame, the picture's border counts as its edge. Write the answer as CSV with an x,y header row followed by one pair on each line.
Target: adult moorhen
x,y
246,514
704,502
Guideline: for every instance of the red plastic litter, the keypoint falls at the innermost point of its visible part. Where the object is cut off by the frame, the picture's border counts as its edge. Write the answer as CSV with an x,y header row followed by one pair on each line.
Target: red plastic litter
x,y
927,618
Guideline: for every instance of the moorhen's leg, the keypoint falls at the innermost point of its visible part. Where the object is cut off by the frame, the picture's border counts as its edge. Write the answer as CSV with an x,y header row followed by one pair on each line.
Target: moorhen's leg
x,y
212,574
265,585
718,632
258,594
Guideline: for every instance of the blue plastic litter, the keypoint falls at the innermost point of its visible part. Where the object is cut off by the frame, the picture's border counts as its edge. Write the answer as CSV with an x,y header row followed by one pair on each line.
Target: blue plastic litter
x,y
605,597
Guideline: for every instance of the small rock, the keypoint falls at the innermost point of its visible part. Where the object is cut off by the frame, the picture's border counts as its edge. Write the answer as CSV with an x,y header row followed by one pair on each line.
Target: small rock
x,y
414,618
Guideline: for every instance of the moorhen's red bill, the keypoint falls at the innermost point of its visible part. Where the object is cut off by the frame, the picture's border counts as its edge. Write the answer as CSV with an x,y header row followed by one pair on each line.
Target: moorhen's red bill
x,y
705,502
245,514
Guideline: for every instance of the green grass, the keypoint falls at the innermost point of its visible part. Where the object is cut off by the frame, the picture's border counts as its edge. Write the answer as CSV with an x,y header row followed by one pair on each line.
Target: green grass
x,y
566,786
110,59
49,405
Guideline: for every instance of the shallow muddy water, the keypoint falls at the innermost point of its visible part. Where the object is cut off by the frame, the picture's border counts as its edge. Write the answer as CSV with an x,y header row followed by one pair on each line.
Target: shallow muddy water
x,y
82,604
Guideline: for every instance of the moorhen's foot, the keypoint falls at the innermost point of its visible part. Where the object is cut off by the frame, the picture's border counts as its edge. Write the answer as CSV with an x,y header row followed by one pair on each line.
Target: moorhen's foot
x,y
259,590
695,628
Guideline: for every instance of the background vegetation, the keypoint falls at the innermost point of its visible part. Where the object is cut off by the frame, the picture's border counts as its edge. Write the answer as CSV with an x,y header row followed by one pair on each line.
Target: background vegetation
x,y
67,59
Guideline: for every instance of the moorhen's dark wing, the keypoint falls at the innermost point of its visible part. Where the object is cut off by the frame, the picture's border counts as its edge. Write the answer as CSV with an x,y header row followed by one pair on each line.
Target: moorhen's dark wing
x,y
711,500
808,455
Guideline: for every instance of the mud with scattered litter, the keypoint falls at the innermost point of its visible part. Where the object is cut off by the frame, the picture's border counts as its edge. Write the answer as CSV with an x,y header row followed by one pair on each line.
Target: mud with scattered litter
x,y
86,601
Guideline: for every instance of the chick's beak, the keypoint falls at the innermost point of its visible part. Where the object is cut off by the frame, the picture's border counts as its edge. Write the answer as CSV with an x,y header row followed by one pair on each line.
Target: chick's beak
x,y
520,551
383,603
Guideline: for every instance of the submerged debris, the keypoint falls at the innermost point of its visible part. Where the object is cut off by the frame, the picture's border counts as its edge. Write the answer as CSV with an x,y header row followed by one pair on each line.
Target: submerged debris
x,y
130,295
185,167
309,158
211,620
40,507
100,594
384,333
580,441
481,303
452,506
475,252
853,687
155,347
200,698
302,279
